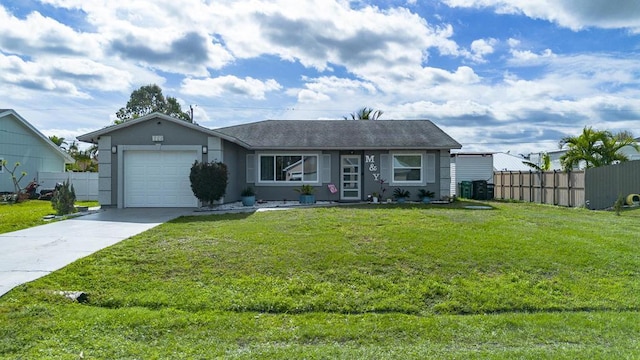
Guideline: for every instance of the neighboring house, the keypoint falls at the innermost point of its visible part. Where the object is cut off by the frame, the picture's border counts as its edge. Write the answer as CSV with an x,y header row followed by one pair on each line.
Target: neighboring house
x,y
508,162
23,143
151,158
555,155
480,166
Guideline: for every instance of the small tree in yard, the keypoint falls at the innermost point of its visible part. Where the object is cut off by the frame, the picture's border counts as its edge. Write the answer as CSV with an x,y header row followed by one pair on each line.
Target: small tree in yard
x,y
209,181
63,199
14,178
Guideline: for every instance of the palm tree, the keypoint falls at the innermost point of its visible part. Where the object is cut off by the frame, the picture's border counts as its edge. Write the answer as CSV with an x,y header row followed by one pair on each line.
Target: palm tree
x,y
595,148
58,141
609,151
366,113
545,166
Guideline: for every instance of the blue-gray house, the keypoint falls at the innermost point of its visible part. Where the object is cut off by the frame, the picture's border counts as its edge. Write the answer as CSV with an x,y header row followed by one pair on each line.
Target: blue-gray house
x,y
21,142
150,159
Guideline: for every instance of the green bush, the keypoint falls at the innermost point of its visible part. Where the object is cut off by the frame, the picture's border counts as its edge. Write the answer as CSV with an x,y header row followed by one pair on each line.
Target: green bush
x,y
63,199
209,181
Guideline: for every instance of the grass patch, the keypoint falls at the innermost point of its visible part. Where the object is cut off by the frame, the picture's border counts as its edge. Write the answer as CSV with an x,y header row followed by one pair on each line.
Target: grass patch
x,y
28,214
519,281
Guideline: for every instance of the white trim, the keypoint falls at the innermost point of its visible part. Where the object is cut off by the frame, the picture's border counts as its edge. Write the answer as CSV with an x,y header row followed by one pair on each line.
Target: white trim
x,y
357,174
421,182
259,180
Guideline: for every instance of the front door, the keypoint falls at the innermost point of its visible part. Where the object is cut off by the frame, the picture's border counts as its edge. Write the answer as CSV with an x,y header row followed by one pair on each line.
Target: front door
x,y
350,177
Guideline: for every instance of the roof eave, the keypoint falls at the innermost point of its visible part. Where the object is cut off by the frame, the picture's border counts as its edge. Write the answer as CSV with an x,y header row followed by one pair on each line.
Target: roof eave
x,y
66,157
93,136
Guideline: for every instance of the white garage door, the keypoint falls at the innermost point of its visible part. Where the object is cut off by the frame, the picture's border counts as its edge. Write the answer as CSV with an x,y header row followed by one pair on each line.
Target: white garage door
x,y
158,179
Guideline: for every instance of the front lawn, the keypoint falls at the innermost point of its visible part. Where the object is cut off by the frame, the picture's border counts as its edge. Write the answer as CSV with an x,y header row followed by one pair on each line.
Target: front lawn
x,y
28,214
520,281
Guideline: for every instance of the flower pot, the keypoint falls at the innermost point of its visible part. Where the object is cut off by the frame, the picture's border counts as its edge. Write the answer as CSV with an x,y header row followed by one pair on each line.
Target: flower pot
x,y
374,199
401,200
248,200
307,199
426,200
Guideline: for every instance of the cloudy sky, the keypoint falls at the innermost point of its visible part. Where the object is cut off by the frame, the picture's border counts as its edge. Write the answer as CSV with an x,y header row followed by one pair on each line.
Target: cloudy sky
x,y
498,75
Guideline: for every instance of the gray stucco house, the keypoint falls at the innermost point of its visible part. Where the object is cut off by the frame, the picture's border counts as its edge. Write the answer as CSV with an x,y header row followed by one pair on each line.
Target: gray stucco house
x,y
151,157
22,142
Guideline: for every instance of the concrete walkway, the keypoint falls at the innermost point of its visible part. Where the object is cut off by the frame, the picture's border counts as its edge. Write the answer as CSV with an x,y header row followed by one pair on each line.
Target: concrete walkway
x,y
28,254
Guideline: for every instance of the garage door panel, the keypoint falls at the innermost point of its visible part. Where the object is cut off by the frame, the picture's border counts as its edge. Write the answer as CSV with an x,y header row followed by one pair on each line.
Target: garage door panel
x,y
158,178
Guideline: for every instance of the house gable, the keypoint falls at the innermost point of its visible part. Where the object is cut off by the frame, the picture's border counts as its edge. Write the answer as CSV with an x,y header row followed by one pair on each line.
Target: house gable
x,y
22,143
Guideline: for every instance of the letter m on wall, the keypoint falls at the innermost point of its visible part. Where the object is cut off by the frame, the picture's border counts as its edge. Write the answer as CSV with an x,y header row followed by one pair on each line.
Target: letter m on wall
x,y
369,158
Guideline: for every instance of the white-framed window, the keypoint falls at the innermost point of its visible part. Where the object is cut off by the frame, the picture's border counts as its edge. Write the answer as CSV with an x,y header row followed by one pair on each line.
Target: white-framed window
x,y
286,168
408,168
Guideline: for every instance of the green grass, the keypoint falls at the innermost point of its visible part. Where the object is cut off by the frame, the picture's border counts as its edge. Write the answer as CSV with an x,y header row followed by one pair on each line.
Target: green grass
x,y
520,281
28,214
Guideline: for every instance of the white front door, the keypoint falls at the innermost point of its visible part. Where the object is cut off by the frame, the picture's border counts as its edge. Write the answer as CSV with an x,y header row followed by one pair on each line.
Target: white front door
x,y
350,177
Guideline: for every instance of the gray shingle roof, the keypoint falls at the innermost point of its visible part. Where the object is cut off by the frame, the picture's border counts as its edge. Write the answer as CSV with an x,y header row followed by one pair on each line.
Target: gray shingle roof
x,y
342,134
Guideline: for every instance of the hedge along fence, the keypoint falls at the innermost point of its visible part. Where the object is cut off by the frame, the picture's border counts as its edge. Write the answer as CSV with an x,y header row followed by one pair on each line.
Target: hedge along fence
x,y
549,187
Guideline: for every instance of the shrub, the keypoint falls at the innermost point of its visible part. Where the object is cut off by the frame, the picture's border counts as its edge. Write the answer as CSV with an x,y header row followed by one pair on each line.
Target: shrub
x,y
248,191
63,198
401,193
209,181
305,189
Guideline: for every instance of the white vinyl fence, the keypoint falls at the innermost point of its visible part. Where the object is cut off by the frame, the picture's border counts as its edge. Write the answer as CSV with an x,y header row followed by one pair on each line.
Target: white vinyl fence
x,y
84,183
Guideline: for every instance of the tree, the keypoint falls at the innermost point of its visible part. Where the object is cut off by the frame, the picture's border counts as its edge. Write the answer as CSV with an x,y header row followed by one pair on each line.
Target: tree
x,y
149,99
545,166
595,148
366,113
209,181
14,178
58,141
64,197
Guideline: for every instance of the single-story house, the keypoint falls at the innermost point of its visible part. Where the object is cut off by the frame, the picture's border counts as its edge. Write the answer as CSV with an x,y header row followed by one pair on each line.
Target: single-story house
x,y
344,160
21,142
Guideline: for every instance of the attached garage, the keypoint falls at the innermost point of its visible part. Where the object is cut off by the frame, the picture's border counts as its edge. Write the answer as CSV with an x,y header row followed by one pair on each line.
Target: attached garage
x,y
158,178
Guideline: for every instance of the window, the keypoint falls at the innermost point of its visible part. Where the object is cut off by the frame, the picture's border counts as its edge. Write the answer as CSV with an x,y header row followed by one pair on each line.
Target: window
x,y
407,168
288,168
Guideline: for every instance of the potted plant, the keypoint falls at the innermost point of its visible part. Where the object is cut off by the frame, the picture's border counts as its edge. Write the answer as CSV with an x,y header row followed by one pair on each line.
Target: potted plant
x,y
306,194
374,197
248,196
401,195
426,195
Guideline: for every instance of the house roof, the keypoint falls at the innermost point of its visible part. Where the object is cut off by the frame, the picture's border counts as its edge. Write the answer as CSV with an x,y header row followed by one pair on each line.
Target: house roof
x,y
508,162
67,158
341,134
314,134
93,136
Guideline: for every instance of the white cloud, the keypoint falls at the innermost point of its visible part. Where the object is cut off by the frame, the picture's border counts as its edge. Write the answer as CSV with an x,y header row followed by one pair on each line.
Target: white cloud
x,y
527,56
229,86
37,35
482,47
23,77
573,14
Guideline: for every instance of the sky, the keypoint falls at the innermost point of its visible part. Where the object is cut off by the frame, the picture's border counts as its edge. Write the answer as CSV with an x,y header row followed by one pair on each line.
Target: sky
x,y
497,75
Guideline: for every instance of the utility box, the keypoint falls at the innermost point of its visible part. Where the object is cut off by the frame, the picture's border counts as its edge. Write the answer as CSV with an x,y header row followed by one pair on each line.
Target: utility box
x,y
466,189
479,190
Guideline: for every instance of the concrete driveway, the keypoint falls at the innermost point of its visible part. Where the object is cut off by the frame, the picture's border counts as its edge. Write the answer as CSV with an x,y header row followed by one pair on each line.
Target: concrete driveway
x,y
28,254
